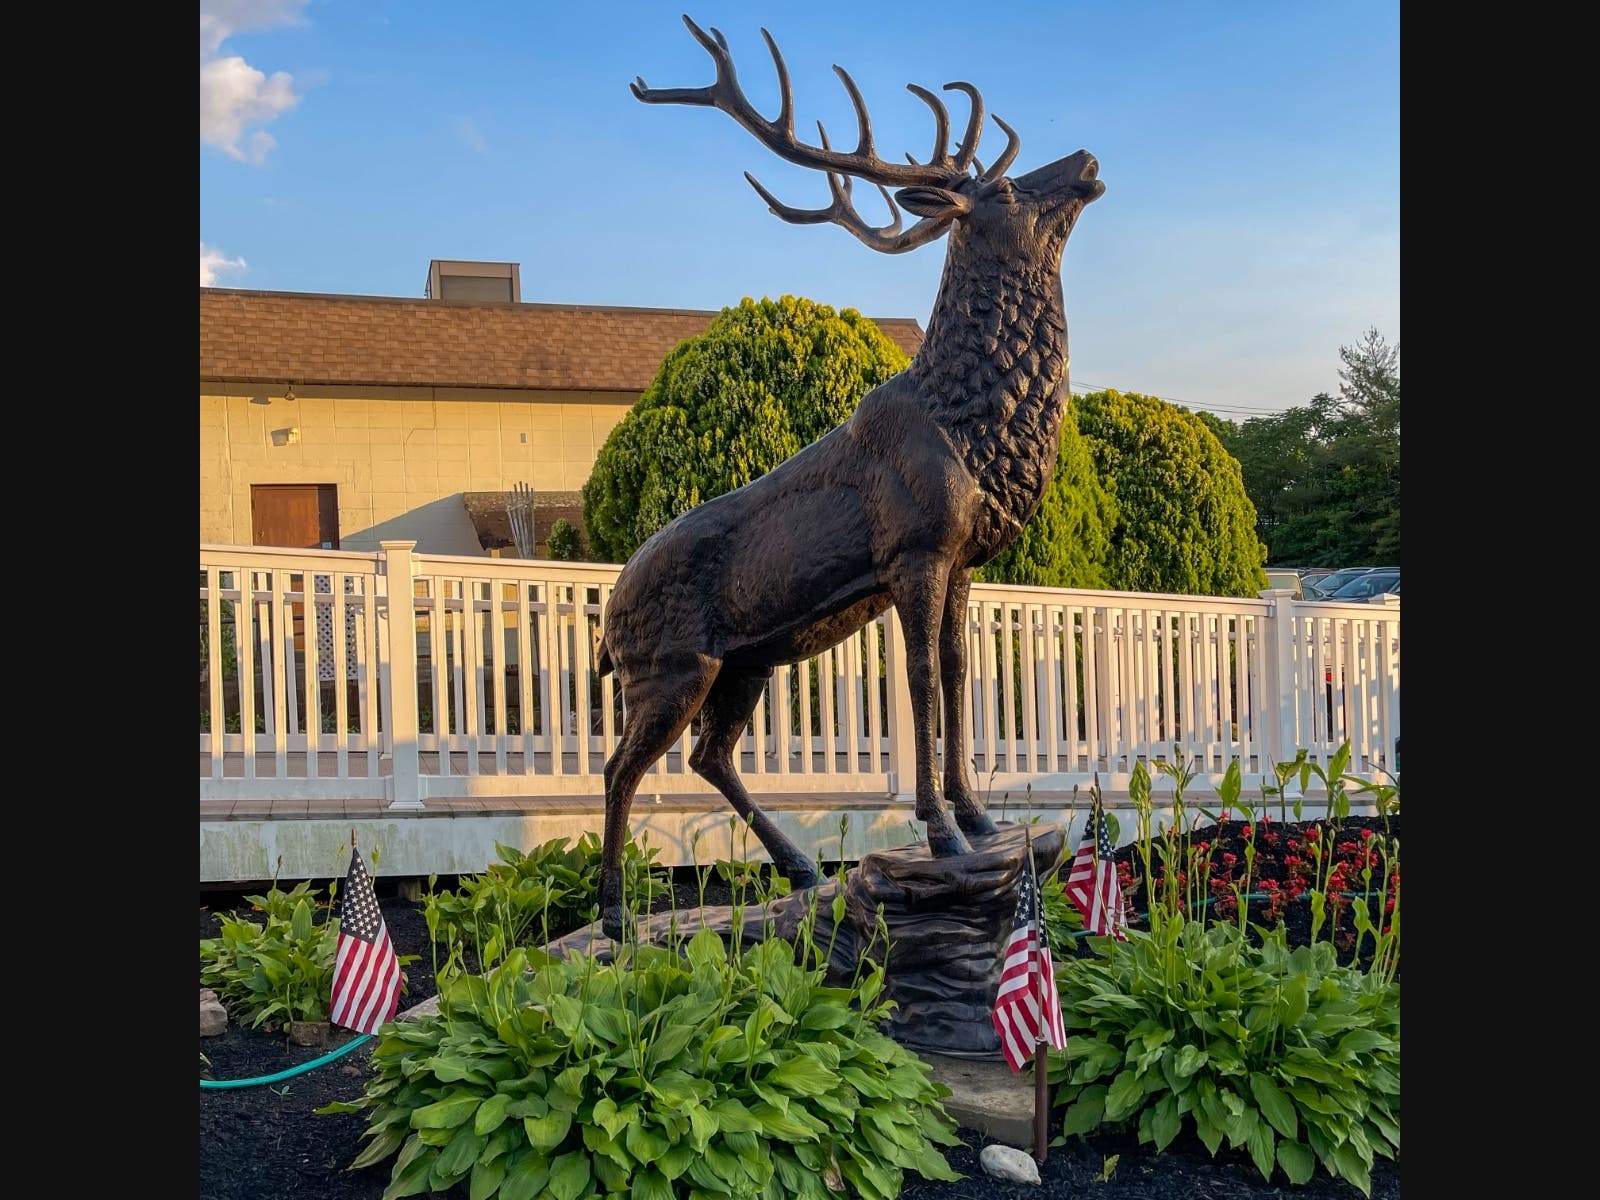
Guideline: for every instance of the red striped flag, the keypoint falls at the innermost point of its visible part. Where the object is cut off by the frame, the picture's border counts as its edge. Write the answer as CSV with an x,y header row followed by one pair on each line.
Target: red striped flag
x,y
1092,880
1027,1006
366,973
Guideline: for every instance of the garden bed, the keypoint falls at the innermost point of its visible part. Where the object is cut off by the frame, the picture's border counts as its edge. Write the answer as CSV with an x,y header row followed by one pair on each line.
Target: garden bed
x,y
266,1142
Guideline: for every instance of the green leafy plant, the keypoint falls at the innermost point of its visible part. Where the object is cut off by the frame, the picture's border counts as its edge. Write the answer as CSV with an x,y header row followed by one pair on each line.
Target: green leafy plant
x,y
713,1071
751,882
1108,1167
281,968
565,541
1063,922
536,895
1282,1053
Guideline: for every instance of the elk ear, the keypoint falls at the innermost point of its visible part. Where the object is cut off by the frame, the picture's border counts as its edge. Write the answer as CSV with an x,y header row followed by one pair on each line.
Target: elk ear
x,y
933,202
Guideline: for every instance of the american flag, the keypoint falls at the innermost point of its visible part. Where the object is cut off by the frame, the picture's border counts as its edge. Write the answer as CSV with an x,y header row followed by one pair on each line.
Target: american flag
x,y
366,973
1092,880
1027,1004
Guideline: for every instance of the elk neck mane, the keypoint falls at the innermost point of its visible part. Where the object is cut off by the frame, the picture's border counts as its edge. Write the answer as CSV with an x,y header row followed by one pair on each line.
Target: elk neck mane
x,y
993,372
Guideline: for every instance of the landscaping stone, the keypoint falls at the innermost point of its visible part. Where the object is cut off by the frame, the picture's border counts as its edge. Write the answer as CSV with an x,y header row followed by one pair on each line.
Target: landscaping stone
x,y
213,1017
1003,1162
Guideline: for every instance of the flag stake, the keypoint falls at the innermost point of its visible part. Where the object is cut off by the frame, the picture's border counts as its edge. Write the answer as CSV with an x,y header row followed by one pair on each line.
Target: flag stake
x,y
1041,1098
1041,1104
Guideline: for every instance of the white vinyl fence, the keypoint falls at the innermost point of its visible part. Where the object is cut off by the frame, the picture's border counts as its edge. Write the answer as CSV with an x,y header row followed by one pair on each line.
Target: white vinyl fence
x,y
402,677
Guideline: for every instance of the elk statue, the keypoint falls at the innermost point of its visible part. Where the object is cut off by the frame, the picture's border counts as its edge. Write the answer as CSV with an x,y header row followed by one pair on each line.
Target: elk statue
x,y
935,472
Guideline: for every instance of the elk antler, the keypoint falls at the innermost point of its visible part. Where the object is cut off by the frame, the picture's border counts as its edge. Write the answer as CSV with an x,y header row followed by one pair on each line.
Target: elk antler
x,y
779,137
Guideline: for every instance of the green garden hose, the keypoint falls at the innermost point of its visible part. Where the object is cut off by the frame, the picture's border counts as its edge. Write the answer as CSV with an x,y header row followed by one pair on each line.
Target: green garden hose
x,y
291,1072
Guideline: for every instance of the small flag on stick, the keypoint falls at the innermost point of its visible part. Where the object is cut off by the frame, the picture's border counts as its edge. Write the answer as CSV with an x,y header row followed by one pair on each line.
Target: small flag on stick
x,y
1027,1007
1092,879
366,973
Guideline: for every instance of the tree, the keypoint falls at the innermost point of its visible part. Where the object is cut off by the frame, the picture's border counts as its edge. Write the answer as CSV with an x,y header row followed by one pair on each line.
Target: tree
x,y
1325,477
766,379
1183,521
1067,541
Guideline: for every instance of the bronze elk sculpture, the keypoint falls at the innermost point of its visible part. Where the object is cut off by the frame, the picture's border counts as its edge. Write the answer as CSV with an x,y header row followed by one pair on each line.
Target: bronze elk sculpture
x,y
936,471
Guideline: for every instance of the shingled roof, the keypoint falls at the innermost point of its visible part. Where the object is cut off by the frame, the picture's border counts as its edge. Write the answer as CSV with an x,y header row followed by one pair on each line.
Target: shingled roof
x,y
388,341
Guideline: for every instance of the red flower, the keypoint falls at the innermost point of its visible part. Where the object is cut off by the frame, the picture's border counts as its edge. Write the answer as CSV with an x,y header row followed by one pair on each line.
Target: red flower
x,y
1266,818
1224,814
1388,907
1367,835
1293,845
1249,832
1271,885
1291,861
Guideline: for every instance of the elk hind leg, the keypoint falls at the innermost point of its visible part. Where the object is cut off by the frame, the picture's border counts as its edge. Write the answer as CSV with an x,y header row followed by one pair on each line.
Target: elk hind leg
x,y
658,711
722,720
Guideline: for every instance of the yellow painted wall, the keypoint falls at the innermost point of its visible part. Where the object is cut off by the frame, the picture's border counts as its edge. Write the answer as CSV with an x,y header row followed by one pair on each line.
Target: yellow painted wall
x,y
401,457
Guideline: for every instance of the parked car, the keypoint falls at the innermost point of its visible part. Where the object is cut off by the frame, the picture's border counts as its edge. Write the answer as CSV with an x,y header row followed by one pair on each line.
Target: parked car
x,y
1323,588
1363,587
1312,576
1285,578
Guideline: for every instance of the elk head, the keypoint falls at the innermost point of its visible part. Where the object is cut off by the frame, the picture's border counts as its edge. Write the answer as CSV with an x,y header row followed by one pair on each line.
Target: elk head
x,y
1024,219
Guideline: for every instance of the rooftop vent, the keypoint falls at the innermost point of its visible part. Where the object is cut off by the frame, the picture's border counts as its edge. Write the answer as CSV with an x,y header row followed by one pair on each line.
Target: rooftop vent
x,y
449,279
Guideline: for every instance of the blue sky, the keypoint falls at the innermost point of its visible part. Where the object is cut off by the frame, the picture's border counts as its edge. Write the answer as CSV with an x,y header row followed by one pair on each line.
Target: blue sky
x,y
1251,153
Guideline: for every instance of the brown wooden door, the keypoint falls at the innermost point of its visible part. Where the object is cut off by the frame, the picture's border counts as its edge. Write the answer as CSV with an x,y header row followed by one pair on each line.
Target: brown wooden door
x,y
304,515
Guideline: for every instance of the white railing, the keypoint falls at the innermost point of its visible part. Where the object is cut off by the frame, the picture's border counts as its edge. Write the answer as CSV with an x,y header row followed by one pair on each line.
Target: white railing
x,y
484,684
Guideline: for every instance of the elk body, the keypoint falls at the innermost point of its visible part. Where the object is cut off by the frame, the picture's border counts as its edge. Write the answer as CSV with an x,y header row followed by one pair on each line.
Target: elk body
x,y
935,472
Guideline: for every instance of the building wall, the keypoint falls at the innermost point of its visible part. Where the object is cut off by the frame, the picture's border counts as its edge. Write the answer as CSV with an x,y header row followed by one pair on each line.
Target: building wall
x,y
400,456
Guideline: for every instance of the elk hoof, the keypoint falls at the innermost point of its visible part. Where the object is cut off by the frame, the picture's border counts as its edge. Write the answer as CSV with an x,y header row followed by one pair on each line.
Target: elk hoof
x,y
801,876
948,843
976,824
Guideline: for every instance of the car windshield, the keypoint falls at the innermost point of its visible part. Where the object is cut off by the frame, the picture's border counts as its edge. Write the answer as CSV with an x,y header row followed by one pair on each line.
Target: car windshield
x,y
1363,586
1329,584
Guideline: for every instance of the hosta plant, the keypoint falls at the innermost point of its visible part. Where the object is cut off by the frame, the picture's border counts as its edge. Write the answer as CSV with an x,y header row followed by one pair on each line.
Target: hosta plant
x,y
528,898
1282,1053
281,968
710,1072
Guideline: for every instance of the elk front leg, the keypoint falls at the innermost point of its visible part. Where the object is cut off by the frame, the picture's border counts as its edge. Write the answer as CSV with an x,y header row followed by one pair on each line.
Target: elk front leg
x,y
970,815
919,595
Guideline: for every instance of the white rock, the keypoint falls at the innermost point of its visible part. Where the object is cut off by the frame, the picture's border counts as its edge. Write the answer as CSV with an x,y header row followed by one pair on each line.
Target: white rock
x,y
1003,1162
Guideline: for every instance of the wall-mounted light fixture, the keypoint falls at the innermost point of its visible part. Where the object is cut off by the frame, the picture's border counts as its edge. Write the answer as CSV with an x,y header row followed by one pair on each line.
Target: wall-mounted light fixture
x,y
288,392
286,437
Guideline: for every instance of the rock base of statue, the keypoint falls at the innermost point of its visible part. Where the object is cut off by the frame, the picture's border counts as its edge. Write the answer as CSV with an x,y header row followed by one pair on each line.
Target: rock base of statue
x,y
947,921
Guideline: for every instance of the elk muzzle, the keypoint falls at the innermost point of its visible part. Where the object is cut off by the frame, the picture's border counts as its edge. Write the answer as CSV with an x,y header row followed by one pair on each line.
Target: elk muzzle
x,y
1075,175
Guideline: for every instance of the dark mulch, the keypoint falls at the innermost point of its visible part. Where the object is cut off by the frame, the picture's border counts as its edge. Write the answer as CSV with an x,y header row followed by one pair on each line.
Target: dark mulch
x,y
266,1143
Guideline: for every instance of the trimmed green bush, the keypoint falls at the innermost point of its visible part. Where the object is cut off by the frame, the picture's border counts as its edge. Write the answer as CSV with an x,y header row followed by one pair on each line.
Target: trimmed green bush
x,y
766,379
1183,520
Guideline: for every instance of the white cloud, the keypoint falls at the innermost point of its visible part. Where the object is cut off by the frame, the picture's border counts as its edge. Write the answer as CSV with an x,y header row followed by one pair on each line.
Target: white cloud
x,y
467,130
220,19
213,262
233,94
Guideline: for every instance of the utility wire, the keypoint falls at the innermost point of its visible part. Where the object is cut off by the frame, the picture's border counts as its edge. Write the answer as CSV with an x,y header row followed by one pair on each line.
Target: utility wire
x,y
1214,408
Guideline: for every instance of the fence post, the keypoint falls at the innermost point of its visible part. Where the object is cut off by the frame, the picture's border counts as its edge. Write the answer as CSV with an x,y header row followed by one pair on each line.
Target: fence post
x,y
1277,676
1384,630
403,789
902,738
